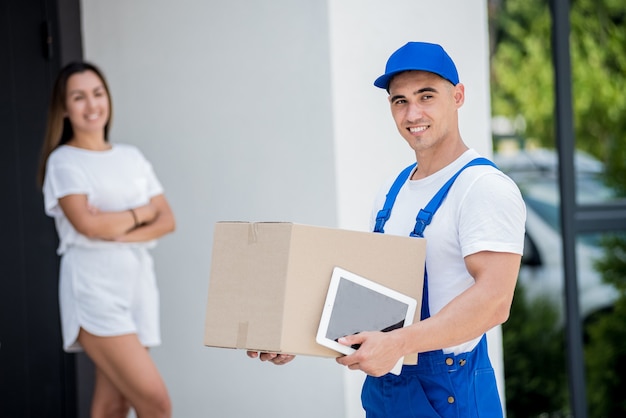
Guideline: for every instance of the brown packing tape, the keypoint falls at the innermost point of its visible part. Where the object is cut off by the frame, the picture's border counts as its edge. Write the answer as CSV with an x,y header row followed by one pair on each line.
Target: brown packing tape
x,y
410,359
242,335
253,233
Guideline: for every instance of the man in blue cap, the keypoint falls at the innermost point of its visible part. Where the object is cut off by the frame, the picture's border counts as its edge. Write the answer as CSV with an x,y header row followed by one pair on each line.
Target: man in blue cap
x,y
473,217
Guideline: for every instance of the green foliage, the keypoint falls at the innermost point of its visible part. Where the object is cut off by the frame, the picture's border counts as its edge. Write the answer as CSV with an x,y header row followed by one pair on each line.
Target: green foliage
x,y
613,263
522,84
598,50
534,363
523,76
605,361
605,352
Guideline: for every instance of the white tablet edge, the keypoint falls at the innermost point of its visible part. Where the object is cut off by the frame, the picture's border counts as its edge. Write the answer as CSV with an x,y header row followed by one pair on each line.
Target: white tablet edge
x,y
339,273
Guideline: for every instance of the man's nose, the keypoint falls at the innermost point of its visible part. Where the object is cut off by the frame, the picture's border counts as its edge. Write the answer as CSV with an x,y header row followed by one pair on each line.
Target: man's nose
x,y
414,112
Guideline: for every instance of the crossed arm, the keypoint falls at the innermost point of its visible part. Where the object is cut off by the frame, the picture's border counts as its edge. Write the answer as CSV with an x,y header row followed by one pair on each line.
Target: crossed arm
x,y
154,219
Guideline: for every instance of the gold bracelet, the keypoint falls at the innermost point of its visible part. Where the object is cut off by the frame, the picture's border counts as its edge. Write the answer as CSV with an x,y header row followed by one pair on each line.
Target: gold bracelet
x,y
132,211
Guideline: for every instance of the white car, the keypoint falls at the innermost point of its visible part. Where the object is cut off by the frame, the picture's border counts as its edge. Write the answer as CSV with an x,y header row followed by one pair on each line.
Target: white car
x,y
535,172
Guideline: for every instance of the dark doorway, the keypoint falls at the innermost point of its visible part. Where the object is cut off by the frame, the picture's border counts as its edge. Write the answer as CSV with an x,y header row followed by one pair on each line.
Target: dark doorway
x,y
36,378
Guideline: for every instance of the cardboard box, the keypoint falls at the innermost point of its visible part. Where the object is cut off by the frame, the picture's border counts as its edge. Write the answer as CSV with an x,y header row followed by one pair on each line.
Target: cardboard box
x,y
268,281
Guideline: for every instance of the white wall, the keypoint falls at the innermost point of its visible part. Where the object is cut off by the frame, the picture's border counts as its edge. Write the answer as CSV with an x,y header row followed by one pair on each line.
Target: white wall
x,y
265,111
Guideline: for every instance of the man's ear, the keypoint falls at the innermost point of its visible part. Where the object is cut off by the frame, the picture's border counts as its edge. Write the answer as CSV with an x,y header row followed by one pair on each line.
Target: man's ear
x,y
459,95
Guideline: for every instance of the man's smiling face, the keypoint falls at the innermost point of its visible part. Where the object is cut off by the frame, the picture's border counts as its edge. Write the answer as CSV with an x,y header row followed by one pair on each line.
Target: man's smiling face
x,y
424,107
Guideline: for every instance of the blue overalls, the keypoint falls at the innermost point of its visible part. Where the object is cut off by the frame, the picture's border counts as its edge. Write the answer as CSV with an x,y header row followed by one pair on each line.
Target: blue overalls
x,y
440,385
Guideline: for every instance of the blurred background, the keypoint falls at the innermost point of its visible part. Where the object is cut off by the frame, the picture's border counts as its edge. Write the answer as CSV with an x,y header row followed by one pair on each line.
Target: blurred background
x,y
525,144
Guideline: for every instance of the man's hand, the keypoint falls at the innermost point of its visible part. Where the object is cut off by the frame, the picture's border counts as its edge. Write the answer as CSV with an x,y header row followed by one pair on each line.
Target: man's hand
x,y
278,359
376,356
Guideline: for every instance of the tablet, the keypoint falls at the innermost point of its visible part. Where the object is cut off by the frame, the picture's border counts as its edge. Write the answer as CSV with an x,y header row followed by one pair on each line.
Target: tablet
x,y
355,304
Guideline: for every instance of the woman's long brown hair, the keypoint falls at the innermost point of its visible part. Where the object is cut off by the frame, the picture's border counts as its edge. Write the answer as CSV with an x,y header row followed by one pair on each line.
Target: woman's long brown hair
x,y
59,129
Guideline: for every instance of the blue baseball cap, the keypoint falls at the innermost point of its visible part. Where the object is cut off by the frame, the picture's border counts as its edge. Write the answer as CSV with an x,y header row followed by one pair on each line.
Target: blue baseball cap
x,y
419,56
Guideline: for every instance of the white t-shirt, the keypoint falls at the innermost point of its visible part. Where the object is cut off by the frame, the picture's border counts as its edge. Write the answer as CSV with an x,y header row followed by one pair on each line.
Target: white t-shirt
x,y
483,211
114,180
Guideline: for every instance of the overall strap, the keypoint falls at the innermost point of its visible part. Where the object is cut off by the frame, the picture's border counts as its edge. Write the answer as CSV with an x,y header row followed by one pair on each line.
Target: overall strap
x,y
383,215
424,216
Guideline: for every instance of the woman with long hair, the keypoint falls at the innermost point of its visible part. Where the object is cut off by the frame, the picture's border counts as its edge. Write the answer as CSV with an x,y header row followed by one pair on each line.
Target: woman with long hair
x,y
109,210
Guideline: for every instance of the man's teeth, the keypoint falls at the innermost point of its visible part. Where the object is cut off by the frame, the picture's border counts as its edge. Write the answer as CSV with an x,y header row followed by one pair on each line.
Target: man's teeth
x,y
418,129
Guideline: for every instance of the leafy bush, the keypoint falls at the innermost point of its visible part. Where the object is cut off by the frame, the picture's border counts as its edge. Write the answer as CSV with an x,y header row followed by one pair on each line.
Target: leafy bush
x,y
605,351
534,360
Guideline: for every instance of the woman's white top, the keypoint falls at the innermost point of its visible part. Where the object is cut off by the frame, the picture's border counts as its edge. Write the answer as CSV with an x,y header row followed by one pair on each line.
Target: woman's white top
x,y
113,180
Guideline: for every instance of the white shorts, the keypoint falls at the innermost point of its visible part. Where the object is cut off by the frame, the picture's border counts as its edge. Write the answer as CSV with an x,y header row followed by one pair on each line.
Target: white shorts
x,y
108,292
